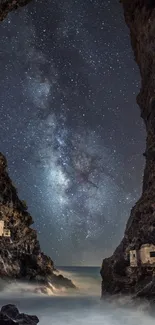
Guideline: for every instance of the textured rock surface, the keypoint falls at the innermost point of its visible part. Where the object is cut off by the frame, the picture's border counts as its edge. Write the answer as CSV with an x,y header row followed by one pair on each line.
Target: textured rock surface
x,y
20,255
116,274
8,5
9,315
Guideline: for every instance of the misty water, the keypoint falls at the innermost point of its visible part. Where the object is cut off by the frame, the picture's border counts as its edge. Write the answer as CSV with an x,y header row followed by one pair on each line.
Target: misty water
x,y
82,307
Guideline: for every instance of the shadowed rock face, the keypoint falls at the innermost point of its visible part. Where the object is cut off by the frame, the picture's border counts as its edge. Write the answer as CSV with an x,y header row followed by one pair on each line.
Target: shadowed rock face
x,y
116,274
10,315
21,256
8,5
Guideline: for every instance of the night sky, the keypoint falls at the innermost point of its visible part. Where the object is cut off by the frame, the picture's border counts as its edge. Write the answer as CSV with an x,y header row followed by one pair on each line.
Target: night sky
x,y
70,126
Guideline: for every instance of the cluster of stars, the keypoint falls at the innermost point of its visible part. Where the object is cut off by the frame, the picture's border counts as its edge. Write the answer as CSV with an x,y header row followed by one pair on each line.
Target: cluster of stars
x,y
68,95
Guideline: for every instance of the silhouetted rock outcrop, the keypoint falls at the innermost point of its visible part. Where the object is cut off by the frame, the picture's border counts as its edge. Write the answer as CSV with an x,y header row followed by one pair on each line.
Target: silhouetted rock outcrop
x,y
9,315
117,275
8,5
20,255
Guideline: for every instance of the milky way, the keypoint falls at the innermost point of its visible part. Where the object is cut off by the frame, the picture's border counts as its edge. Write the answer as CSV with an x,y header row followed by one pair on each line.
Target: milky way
x,y
70,127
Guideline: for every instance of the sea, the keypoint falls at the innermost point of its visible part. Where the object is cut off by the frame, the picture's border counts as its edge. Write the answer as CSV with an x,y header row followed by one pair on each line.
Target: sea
x,y
82,307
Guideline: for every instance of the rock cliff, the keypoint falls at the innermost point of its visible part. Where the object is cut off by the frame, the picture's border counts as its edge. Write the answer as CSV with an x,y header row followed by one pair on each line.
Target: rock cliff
x,y
8,5
20,255
117,275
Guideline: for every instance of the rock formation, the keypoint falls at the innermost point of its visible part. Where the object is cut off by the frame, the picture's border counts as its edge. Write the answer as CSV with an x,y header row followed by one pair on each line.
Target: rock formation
x,y
8,5
10,315
117,275
20,254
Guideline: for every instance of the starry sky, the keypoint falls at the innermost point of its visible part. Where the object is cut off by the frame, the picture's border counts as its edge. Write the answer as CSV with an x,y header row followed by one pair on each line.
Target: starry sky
x,y
70,126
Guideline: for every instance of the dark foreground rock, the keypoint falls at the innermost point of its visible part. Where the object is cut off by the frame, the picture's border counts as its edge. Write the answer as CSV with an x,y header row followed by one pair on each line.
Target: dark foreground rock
x,y
20,255
8,5
9,315
117,275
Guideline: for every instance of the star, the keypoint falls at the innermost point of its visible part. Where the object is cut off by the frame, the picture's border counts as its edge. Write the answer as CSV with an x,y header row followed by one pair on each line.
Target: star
x,y
70,127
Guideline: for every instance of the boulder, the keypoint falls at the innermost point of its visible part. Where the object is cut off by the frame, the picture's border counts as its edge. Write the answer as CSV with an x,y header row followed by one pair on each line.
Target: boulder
x,y
9,315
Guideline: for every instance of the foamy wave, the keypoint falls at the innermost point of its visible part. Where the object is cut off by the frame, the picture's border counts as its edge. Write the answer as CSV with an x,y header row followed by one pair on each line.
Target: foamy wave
x,y
23,289
84,308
